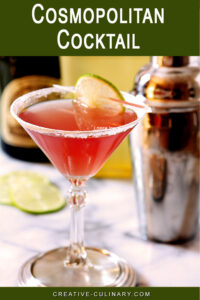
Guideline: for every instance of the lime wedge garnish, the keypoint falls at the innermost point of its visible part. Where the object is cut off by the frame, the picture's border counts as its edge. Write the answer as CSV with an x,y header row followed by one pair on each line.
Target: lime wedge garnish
x,y
96,92
31,192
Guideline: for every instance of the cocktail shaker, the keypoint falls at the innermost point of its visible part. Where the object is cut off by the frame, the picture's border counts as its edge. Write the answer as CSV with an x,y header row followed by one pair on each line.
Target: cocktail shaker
x,y
166,149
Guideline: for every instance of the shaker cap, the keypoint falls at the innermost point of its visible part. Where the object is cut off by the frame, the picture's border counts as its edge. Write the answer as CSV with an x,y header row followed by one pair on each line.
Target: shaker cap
x,y
171,61
172,82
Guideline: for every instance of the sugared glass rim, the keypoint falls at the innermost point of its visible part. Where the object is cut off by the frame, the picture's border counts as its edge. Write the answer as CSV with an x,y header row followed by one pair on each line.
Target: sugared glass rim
x,y
33,97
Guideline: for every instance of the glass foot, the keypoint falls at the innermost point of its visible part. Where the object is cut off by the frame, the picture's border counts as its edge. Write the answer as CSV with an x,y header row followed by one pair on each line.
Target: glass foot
x,y
103,268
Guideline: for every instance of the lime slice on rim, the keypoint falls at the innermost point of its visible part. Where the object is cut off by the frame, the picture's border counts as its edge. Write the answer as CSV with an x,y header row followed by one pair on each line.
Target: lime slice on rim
x,y
30,192
95,91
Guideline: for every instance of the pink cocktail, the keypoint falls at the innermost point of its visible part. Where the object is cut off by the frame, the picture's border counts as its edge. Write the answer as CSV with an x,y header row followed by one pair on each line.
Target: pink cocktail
x,y
76,156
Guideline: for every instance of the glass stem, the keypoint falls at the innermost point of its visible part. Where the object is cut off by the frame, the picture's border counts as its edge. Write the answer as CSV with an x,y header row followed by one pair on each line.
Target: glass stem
x,y
76,253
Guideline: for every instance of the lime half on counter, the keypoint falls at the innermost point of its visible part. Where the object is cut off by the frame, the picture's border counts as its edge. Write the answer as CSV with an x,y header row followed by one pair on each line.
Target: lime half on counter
x,y
5,190
30,192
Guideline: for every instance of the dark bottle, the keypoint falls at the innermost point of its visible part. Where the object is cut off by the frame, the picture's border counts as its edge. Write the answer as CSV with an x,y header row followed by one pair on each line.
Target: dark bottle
x,y
20,75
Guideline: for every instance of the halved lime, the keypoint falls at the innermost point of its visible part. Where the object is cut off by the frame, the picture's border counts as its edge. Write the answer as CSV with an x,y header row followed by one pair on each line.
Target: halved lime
x,y
30,191
25,177
19,178
5,190
38,199
96,92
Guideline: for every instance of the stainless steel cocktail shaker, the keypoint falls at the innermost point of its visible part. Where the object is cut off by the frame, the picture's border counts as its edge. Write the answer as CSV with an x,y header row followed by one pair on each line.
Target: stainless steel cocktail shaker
x,y
166,149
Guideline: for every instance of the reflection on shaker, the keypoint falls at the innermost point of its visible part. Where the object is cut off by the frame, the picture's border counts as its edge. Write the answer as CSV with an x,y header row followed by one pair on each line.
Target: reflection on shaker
x,y
158,166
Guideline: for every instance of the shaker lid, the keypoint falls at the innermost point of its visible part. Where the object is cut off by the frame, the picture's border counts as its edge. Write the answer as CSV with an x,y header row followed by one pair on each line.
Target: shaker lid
x,y
173,83
171,61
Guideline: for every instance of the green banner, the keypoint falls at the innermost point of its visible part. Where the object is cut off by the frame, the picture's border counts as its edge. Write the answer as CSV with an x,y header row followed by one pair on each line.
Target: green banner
x,y
100,293
100,27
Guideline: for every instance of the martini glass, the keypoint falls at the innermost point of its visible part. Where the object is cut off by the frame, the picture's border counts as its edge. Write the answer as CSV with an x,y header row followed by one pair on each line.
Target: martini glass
x,y
78,155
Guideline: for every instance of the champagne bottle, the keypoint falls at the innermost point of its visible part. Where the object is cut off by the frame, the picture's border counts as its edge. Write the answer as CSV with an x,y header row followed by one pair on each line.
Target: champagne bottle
x,y
18,76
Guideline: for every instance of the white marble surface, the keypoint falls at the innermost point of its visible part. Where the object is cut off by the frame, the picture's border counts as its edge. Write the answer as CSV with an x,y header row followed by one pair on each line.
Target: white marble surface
x,y
110,222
